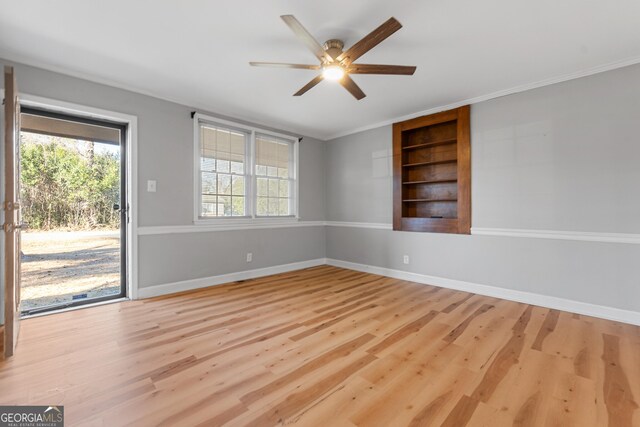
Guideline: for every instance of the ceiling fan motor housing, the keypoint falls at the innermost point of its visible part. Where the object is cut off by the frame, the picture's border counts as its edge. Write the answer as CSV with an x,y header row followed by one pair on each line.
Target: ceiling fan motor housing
x,y
333,47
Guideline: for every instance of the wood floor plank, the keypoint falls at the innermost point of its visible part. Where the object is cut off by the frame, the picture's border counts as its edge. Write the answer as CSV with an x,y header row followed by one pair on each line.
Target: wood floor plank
x,y
459,330
547,328
327,346
571,402
617,390
419,368
297,401
314,364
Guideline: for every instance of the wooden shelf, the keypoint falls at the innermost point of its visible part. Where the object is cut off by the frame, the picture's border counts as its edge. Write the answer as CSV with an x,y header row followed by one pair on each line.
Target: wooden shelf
x,y
427,197
435,162
436,225
429,200
431,144
434,181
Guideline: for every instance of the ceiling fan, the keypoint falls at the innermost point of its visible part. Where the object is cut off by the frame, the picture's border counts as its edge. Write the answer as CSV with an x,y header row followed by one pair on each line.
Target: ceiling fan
x,y
338,65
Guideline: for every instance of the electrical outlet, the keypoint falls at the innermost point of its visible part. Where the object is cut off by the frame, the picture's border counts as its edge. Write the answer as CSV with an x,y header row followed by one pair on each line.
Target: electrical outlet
x,y
249,257
405,259
151,186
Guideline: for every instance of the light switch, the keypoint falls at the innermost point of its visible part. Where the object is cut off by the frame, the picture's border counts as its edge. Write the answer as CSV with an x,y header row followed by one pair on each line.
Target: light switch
x,y
151,186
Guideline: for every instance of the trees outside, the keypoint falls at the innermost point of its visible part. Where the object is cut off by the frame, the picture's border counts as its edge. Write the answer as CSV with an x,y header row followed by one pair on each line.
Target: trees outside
x,y
68,183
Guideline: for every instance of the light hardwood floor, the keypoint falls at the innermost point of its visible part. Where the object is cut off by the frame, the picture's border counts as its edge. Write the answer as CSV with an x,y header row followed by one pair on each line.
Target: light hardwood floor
x,y
327,347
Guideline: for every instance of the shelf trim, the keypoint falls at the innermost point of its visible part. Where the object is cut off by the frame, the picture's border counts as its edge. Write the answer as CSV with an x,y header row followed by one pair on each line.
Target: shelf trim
x,y
431,144
436,162
428,200
435,181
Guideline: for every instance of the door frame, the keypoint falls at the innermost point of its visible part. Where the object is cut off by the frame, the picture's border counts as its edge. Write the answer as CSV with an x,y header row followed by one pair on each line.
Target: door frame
x,y
131,174
11,212
123,201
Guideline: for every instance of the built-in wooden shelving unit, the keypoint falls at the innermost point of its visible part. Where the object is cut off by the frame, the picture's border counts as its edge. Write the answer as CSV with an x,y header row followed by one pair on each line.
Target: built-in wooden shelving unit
x,y
432,173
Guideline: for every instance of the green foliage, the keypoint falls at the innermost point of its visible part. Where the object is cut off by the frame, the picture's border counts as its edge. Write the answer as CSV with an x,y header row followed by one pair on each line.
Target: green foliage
x,y
65,186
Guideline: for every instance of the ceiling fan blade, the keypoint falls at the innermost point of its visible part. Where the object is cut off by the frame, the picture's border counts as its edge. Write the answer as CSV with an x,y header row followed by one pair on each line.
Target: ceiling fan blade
x,y
370,41
309,85
284,65
352,87
406,70
306,38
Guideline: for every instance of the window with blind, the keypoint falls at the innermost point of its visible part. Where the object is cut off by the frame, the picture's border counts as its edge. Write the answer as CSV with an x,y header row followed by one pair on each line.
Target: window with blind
x,y
243,172
274,182
223,166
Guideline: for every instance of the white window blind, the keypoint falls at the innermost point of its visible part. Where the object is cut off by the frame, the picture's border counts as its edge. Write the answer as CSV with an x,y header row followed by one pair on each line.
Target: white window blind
x,y
274,176
223,172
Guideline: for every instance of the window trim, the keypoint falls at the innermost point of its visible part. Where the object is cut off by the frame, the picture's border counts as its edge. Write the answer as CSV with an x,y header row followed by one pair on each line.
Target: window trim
x,y
251,217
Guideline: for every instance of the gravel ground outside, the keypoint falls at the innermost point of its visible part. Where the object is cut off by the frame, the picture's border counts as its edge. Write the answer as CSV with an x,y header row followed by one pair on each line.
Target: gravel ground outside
x,y
56,265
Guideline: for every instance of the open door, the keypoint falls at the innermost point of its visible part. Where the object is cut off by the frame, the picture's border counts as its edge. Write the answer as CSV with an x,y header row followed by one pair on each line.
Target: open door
x,y
11,206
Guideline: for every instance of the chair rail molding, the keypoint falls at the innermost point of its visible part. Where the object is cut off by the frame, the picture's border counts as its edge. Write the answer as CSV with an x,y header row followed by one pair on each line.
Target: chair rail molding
x,y
226,226
375,225
585,236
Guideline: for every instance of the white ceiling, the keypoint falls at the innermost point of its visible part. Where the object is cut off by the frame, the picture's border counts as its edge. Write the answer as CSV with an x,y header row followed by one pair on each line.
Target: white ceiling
x,y
196,51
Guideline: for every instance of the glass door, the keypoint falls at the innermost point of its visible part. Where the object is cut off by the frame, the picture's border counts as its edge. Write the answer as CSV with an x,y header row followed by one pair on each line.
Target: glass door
x,y
73,172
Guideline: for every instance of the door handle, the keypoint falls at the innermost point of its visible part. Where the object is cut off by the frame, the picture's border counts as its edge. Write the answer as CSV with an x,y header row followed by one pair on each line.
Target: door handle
x,y
10,228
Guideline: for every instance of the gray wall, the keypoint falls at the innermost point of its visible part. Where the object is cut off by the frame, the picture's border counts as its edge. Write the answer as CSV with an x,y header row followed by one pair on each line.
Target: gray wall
x,y
359,177
165,154
564,157
221,252
165,141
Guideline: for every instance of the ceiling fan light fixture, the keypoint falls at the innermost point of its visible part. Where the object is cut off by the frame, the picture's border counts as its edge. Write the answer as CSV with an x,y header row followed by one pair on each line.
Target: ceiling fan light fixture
x,y
338,65
333,72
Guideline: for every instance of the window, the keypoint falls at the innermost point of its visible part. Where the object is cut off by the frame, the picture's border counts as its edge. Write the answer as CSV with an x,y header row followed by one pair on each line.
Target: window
x,y
274,183
223,178
243,172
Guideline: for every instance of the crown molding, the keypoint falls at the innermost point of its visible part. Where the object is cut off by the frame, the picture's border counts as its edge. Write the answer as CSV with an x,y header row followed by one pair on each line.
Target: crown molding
x,y
516,89
20,60
210,109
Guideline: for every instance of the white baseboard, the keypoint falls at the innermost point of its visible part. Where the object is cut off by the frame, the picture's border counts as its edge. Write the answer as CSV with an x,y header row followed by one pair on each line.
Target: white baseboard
x,y
187,285
604,312
563,304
